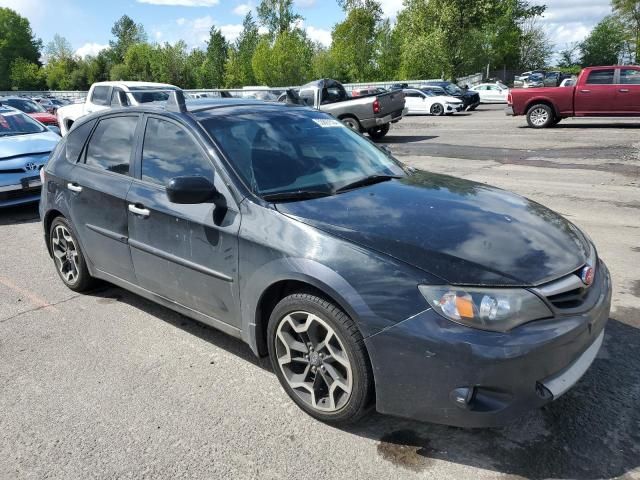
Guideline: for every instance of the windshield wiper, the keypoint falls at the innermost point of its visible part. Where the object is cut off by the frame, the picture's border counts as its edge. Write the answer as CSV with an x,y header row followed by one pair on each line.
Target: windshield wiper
x,y
370,180
296,195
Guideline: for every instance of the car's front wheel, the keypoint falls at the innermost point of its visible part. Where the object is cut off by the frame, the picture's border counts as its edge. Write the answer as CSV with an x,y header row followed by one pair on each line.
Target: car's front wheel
x,y
68,257
320,359
540,116
437,109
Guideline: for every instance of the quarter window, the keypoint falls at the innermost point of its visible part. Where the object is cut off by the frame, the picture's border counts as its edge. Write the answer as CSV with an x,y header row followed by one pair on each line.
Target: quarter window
x,y
600,77
111,144
169,151
76,140
630,77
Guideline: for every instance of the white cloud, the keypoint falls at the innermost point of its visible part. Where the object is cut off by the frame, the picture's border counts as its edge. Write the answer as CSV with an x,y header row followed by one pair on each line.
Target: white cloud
x,y
231,32
242,9
181,3
390,8
90,49
305,3
319,35
181,21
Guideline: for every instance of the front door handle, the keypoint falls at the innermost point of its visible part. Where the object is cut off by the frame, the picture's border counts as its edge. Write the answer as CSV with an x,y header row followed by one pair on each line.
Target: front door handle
x,y
74,187
139,210
624,90
585,91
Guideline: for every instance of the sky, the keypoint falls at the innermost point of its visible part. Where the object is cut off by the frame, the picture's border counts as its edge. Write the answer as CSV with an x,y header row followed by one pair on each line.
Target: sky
x,y
87,23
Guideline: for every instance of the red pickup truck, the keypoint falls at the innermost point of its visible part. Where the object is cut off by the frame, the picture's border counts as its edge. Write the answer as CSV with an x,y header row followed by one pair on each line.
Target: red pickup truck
x,y
598,92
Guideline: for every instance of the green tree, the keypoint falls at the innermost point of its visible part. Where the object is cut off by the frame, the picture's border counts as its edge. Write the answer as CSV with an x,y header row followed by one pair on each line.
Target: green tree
x,y
287,62
16,41
629,12
388,51
126,33
535,47
59,49
26,75
138,60
217,53
353,44
605,44
169,64
238,71
277,16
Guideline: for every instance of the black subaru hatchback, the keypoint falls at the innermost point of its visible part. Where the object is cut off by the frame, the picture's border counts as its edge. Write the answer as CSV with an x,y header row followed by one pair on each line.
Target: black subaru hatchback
x,y
365,282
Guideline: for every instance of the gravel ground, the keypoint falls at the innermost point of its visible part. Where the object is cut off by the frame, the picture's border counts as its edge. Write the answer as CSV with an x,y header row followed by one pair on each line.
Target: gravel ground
x,y
109,385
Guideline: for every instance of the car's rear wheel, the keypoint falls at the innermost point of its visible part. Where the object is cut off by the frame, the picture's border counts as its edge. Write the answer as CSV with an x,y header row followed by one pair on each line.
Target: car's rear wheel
x,y
68,257
320,359
436,109
379,132
352,123
540,116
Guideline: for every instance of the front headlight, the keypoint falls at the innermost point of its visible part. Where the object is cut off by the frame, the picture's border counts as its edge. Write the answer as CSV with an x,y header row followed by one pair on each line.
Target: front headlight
x,y
495,309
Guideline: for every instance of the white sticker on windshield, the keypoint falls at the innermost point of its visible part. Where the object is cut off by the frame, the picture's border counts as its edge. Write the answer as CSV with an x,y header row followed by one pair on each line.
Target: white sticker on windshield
x,y
328,122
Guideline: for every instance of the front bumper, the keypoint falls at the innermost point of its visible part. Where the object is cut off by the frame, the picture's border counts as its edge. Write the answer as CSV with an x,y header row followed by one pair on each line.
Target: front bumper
x,y
28,191
430,369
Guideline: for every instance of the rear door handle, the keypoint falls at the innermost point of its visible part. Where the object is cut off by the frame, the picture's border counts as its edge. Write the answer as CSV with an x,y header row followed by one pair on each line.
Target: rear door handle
x,y
139,210
74,187
624,90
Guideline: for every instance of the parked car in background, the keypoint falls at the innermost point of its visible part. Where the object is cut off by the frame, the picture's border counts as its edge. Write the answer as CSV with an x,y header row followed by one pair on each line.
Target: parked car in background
x,y
31,108
373,114
363,92
469,98
365,282
491,92
521,80
599,92
399,86
105,95
47,104
428,102
25,145
568,82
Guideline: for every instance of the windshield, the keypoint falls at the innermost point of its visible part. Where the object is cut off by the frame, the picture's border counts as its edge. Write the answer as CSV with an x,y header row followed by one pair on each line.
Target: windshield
x,y
452,89
17,123
156,94
278,151
27,106
430,93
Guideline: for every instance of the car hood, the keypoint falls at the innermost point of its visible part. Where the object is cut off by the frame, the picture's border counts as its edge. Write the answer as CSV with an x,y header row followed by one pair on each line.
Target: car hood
x,y
463,232
450,99
18,145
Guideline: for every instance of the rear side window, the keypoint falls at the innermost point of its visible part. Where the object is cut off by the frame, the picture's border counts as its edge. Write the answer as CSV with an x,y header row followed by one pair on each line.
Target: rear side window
x,y
169,151
600,77
76,139
100,95
630,76
111,144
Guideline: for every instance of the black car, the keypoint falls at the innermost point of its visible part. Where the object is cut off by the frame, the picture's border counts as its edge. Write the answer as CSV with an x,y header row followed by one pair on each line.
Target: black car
x,y
470,99
364,281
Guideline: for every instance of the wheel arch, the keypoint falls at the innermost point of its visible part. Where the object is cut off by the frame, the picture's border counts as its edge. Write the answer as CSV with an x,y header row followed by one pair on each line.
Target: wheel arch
x,y
48,219
540,101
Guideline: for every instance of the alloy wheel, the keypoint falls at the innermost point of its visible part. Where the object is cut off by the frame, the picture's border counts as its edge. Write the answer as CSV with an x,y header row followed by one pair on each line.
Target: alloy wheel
x,y
437,109
313,361
539,116
65,253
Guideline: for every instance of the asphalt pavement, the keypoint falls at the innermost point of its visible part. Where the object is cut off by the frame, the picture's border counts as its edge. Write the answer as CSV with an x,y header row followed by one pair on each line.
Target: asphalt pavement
x,y
109,385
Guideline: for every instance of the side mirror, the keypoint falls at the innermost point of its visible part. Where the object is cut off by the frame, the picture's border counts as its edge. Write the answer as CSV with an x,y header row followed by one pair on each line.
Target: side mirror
x,y
190,190
55,130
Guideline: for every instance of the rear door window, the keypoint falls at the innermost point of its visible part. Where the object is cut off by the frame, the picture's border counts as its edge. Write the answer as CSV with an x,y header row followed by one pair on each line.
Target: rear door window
x,y
76,139
629,76
169,151
100,95
601,77
111,144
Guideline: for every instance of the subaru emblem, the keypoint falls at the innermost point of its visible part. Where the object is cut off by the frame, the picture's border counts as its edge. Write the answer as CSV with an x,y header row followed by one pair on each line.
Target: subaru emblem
x,y
587,275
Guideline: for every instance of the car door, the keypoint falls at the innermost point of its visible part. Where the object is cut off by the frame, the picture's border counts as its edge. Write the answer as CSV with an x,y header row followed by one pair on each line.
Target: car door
x,y
628,90
97,190
596,96
185,253
414,101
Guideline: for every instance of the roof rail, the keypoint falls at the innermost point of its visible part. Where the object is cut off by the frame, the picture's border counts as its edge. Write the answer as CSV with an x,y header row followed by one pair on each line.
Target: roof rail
x,y
176,102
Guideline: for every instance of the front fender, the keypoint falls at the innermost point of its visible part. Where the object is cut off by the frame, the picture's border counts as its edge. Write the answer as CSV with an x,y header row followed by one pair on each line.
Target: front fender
x,y
307,271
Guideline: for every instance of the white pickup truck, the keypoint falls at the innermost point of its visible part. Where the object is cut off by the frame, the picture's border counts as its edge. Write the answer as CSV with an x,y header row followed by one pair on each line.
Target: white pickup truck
x,y
104,95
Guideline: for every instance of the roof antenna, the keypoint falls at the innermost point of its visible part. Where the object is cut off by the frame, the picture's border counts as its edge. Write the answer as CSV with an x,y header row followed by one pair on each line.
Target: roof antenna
x,y
176,102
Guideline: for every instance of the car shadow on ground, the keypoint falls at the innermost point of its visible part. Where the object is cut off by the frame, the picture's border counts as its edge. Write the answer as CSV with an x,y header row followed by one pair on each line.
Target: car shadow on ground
x,y
583,126
592,432
406,138
19,214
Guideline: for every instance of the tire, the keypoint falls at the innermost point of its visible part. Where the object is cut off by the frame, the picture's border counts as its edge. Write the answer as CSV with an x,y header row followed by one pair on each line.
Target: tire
x,y
472,108
379,132
68,257
352,123
540,116
437,109
326,345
